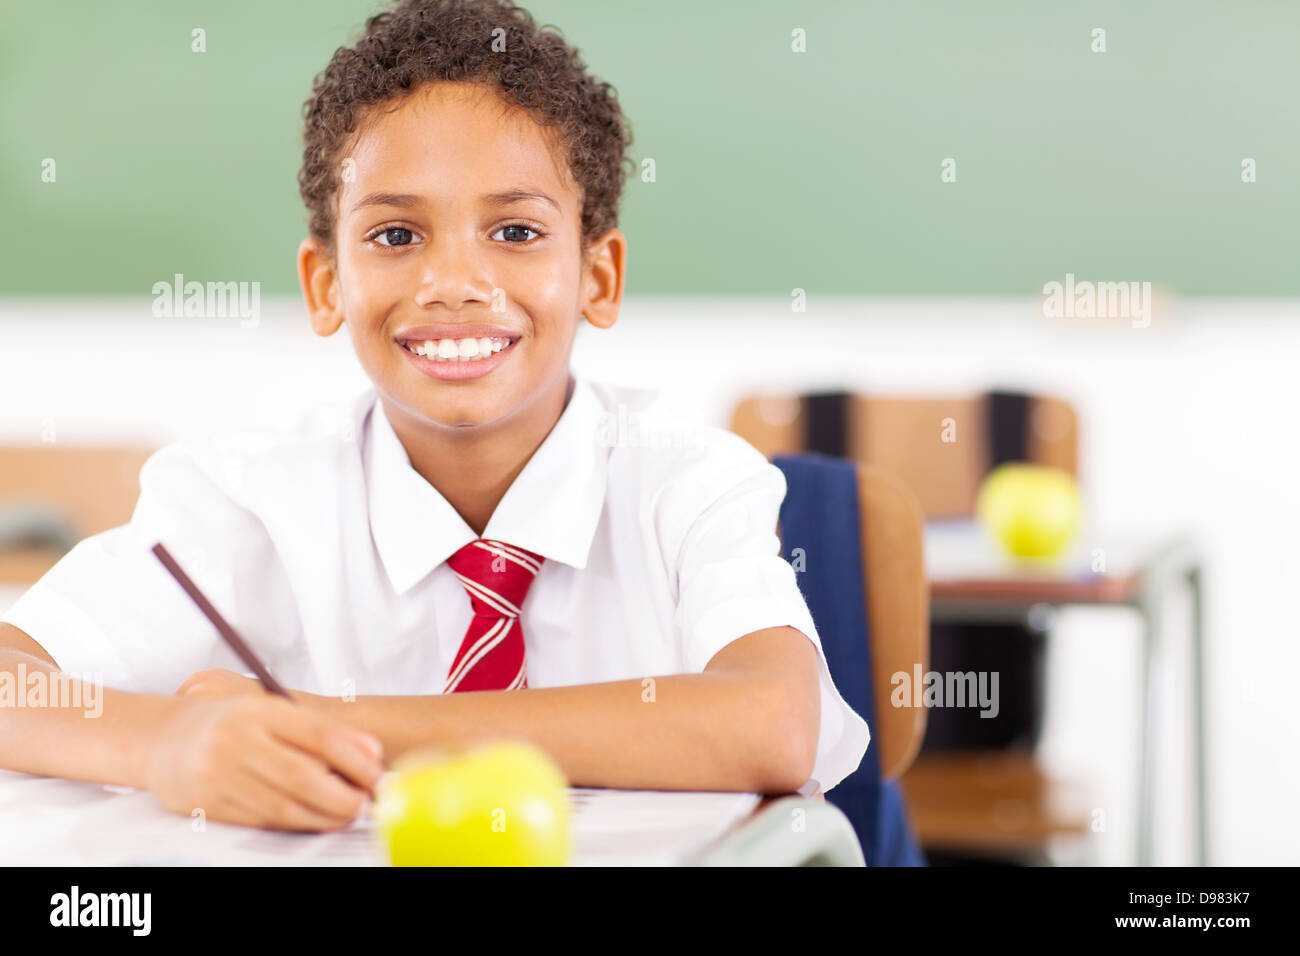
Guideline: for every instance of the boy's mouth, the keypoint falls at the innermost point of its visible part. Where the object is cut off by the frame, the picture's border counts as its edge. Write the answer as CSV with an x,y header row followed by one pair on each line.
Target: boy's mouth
x,y
458,350
459,359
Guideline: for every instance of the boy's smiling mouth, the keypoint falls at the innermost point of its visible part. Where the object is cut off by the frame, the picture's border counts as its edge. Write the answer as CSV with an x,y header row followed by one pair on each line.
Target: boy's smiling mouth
x,y
457,352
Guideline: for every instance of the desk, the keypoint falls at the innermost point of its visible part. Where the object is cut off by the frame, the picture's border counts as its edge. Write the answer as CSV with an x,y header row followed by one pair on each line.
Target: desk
x,y
47,821
970,581
788,831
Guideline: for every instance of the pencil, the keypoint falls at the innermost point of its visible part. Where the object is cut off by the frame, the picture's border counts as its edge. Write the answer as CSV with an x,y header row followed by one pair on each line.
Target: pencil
x,y
237,643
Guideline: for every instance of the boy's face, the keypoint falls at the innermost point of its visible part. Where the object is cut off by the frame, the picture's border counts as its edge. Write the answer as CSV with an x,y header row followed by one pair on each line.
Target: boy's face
x,y
426,237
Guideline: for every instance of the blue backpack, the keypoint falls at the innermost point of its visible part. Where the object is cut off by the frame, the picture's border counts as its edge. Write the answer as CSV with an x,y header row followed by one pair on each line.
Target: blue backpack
x,y
820,515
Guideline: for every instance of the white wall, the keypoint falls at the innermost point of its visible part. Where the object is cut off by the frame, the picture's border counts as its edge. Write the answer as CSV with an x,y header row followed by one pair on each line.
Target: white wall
x,y
1186,425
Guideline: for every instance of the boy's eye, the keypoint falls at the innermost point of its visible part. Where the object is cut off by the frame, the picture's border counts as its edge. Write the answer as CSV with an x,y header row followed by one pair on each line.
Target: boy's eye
x,y
515,230
394,236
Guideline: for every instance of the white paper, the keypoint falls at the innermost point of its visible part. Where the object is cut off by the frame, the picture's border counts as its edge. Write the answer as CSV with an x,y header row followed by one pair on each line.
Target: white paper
x,y
45,821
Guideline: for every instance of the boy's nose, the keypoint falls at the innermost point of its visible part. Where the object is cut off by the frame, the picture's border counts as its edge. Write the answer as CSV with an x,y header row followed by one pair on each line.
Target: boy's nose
x,y
452,278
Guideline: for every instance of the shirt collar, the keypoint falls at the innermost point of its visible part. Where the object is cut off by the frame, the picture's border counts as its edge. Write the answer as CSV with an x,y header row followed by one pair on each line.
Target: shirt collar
x,y
552,508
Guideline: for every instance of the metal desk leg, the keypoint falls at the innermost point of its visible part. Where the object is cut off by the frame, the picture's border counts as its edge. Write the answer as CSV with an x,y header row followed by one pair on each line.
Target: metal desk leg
x,y
1179,559
1198,712
1149,606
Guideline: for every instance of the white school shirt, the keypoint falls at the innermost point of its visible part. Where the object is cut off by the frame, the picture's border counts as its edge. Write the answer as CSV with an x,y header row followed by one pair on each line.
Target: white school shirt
x,y
324,548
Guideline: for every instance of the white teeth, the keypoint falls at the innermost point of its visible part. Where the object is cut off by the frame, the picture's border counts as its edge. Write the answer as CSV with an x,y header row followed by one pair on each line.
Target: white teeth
x,y
459,350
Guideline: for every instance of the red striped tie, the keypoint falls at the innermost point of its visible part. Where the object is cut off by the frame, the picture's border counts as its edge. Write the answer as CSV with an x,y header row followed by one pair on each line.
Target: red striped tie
x,y
497,576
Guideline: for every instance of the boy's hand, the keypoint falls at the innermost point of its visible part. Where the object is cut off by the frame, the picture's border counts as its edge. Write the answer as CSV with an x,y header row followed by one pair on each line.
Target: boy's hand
x,y
217,684
260,760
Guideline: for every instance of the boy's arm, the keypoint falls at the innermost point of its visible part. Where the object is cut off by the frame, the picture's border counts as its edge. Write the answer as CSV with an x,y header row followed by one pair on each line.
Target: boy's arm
x,y
749,722
65,741
259,761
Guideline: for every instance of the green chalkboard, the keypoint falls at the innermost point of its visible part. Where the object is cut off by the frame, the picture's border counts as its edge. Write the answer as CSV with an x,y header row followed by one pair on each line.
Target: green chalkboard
x,y
775,169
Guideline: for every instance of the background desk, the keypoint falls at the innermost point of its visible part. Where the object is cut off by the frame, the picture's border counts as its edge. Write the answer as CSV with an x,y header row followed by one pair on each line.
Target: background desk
x,y
969,581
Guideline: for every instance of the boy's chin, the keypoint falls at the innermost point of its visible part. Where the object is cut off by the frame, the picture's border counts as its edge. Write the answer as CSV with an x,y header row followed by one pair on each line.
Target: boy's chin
x,y
460,408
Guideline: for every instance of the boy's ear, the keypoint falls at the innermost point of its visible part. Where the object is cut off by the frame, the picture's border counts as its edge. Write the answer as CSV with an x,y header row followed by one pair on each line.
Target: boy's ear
x,y
606,264
320,288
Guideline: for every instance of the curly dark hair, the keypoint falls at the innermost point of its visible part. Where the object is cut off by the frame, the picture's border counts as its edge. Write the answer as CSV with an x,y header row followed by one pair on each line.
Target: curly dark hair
x,y
423,41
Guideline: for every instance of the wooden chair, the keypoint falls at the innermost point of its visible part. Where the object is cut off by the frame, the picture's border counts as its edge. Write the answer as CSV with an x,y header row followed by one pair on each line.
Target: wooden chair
x,y
898,610
864,582
54,495
992,802
939,447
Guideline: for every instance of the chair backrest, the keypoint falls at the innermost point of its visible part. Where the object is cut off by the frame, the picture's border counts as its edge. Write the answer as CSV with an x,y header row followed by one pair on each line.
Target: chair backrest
x,y
898,608
939,447
890,541
84,489
856,538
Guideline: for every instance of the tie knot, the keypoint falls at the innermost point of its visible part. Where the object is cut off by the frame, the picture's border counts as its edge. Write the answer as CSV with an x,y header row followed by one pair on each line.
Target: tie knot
x,y
496,575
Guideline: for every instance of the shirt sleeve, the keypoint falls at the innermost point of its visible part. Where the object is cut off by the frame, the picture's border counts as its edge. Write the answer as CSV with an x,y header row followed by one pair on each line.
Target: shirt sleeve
x,y
732,581
109,610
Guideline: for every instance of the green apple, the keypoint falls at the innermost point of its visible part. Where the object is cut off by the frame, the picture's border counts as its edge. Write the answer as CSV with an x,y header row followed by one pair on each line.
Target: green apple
x,y
502,803
1033,510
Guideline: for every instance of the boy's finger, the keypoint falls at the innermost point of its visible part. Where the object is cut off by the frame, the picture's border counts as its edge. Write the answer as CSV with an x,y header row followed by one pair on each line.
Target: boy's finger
x,y
338,745
262,805
305,779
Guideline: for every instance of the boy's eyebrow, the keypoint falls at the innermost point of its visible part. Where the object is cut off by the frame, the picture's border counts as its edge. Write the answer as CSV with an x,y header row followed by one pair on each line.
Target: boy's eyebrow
x,y
410,200
404,200
518,195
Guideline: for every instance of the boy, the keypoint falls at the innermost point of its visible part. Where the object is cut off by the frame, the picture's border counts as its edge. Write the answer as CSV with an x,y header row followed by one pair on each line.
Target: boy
x,y
473,551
